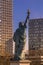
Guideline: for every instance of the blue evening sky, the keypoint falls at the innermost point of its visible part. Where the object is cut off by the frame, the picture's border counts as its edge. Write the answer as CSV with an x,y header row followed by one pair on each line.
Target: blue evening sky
x,y
20,8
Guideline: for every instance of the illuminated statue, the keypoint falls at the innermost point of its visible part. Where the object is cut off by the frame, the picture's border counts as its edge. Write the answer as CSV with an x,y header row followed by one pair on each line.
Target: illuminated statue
x,y
19,38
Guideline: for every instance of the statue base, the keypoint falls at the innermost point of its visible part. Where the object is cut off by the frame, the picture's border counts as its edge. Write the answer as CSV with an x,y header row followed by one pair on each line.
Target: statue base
x,y
21,62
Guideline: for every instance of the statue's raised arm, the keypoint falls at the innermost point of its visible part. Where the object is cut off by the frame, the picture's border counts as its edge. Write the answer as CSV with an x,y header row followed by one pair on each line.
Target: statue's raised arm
x,y
28,13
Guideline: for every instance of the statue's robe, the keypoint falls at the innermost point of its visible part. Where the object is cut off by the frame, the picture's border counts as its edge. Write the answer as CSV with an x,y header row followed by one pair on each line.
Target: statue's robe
x,y
19,38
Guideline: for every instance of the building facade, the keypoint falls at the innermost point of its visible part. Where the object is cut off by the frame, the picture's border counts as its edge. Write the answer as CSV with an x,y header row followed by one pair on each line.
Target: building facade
x,y
6,45
36,34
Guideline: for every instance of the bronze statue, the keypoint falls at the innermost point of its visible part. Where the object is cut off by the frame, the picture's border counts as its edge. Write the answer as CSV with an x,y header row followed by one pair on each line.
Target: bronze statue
x,y
19,38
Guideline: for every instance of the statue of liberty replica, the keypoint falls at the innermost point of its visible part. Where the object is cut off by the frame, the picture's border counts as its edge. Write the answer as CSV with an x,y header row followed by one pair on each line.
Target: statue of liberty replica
x,y
19,38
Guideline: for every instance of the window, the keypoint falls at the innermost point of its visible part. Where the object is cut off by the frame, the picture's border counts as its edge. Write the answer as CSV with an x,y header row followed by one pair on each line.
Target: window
x,y
0,20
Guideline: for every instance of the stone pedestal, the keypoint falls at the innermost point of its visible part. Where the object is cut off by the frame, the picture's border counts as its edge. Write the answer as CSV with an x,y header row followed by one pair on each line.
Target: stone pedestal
x,y
22,62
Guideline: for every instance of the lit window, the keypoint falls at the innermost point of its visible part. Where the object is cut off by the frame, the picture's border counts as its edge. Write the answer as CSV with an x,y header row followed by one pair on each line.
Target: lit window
x,y
0,20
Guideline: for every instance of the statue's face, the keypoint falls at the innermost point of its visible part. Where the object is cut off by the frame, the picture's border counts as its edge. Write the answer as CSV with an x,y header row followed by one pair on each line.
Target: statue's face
x,y
21,24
